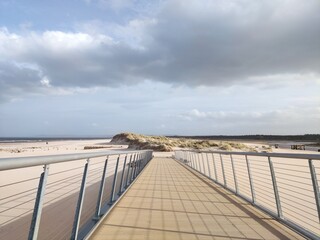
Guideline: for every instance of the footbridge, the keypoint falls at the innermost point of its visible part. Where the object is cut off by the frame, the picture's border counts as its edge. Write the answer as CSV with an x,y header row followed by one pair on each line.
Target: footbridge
x,y
189,195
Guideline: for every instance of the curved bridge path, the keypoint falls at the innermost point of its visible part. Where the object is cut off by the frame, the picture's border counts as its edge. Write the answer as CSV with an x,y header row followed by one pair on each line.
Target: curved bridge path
x,y
170,201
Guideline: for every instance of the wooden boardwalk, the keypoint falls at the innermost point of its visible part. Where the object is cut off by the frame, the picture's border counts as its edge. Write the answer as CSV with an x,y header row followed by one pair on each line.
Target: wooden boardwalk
x,y
168,201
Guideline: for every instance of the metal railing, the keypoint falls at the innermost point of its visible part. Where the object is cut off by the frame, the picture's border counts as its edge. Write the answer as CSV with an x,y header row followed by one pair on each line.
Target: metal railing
x,y
283,185
104,175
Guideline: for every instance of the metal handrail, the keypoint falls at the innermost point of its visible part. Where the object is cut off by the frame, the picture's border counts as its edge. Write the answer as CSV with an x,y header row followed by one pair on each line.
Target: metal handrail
x,y
137,163
262,154
192,159
21,162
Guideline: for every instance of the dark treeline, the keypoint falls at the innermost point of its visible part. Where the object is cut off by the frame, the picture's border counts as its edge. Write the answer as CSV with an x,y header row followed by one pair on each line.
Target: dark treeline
x,y
303,138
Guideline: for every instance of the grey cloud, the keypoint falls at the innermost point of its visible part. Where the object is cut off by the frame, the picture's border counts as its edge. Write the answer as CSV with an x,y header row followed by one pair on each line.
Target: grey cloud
x,y
194,43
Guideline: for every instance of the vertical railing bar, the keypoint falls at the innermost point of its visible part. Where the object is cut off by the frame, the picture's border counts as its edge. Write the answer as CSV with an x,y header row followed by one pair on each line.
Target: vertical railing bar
x,y
133,166
209,170
128,171
192,161
315,186
204,172
114,182
234,174
37,210
215,168
136,165
250,180
223,173
122,175
275,188
102,184
198,162
76,223
139,165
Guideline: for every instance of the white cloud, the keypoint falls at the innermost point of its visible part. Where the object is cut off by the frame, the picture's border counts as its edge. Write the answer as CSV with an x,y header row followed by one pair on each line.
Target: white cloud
x,y
45,82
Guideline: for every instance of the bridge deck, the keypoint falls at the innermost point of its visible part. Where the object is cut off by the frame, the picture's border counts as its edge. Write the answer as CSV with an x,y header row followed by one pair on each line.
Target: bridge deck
x,y
170,202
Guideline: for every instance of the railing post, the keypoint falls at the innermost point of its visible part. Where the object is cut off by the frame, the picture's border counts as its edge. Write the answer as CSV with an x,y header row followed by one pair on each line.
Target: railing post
x,y
214,168
122,175
198,162
275,188
37,210
114,182
192,160
128,171
315,186
76,223
234,174
204,172
136,166
209,170
133,164
223,173
250,180
102,184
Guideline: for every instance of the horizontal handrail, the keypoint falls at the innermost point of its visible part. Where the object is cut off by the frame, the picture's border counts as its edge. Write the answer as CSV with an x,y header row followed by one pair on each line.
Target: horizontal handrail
x,y
291,197
262,154
21,162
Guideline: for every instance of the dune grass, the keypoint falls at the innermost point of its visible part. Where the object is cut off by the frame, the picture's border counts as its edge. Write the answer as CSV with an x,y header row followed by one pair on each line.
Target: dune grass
x,y
167,144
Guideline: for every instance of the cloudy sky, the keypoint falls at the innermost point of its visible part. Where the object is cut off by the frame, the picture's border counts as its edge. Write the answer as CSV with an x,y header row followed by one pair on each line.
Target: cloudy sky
x,y
196,67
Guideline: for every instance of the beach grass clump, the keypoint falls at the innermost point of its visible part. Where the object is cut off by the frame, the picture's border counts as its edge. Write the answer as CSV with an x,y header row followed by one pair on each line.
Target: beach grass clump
x,y
167,144
159,143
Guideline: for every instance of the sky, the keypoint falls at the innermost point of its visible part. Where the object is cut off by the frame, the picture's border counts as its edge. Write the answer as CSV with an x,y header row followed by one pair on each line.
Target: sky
x,y
197,67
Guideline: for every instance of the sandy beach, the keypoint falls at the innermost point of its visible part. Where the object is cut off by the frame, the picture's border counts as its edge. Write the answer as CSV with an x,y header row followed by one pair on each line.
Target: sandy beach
x,y
18,187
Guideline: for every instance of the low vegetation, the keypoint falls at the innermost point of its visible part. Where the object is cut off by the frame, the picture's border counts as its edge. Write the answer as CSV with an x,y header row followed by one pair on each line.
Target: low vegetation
x,y
166,144
95,147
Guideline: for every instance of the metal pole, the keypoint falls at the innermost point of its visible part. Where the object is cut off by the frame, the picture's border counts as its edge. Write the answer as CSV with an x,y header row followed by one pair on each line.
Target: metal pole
x,y
128,172
223,174
77,216
37,210
234,174
214,168
315,186
204,172
250,180
114,182
209,170
136,165
133,166
102,183
122,176
198,162
275,188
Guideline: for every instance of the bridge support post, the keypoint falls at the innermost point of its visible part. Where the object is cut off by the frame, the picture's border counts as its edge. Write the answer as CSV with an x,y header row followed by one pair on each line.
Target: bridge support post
x,y
315,186
102,184
122,175
76,222
275,188
114,182
250,180
234,174
37,210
